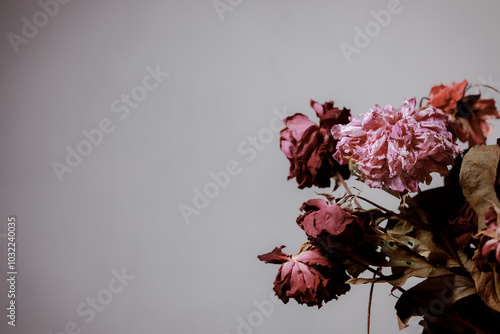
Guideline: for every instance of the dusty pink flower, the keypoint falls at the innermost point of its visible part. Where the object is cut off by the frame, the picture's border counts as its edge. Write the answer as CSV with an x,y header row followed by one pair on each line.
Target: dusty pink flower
x,y
309,146
397,148
329,226
308,276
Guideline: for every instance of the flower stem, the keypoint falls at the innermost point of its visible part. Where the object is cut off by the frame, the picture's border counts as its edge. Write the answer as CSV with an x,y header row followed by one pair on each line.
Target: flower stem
x,y
342,182
381,207
370,298
416,298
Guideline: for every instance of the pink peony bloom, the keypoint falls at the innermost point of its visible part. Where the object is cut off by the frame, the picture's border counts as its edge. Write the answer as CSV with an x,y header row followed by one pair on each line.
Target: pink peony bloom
x,y
308,276
397,148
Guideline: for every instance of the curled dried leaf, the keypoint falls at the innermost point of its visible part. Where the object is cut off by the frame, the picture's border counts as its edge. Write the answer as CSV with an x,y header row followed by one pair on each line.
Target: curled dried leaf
x,y
477,178
384,251
487,281
430,294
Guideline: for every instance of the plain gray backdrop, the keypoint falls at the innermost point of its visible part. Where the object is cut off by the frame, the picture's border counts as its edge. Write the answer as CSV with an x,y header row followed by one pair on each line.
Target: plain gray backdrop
x,y
120,206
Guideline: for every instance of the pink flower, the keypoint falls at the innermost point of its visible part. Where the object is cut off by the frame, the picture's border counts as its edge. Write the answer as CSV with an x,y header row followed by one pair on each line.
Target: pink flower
x,y
397,148
329,226
309,147
308,276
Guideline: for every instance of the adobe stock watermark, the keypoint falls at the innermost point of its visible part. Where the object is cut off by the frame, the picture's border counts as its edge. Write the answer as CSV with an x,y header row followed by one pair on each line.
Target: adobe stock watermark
x,y
97,302
122,107
263,309
363,37
248,150
223,6
30,27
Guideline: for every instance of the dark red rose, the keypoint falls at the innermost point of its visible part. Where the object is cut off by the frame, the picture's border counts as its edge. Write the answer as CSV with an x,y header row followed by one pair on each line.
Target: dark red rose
x,y
309,147
330,227
308,276
329,115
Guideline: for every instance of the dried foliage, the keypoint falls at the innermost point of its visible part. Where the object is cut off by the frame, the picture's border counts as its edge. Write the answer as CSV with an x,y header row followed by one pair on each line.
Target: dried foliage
x,y
447,236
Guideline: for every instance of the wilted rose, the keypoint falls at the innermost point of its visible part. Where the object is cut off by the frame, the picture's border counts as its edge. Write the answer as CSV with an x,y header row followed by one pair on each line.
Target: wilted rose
x,y
446,98
468,113
329,226
308,276
309,147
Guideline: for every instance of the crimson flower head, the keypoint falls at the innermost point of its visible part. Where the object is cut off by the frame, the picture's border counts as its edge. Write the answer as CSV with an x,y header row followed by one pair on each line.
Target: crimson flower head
x,y
468,113
308,276
309,146
397,148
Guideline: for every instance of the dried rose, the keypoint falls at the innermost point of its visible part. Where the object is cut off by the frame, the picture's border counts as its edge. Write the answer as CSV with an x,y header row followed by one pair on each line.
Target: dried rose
x,y
308,276
309,147
446,98
329,226
468,113
397,148
473,128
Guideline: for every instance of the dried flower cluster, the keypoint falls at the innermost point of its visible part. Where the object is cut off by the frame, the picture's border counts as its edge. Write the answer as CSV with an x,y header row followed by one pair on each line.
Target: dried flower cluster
x,y
449,235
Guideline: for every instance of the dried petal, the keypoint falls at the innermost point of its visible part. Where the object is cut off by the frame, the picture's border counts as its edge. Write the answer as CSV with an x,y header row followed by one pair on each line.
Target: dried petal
x,y
397,148
309,147
308,277
447,97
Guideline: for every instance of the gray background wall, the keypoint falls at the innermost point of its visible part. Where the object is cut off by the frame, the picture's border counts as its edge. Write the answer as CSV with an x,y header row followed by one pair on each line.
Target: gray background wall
x,y
119,208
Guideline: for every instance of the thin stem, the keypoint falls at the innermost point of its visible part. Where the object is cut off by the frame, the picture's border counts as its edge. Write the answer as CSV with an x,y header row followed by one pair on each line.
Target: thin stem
x,y
370,298
418,299
375,272
381,207
422,100
342,182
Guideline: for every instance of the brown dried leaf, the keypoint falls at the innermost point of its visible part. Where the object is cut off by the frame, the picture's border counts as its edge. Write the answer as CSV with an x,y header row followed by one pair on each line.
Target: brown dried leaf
x,y
487,283
384,251
402,227
477,178
424,245
435,292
